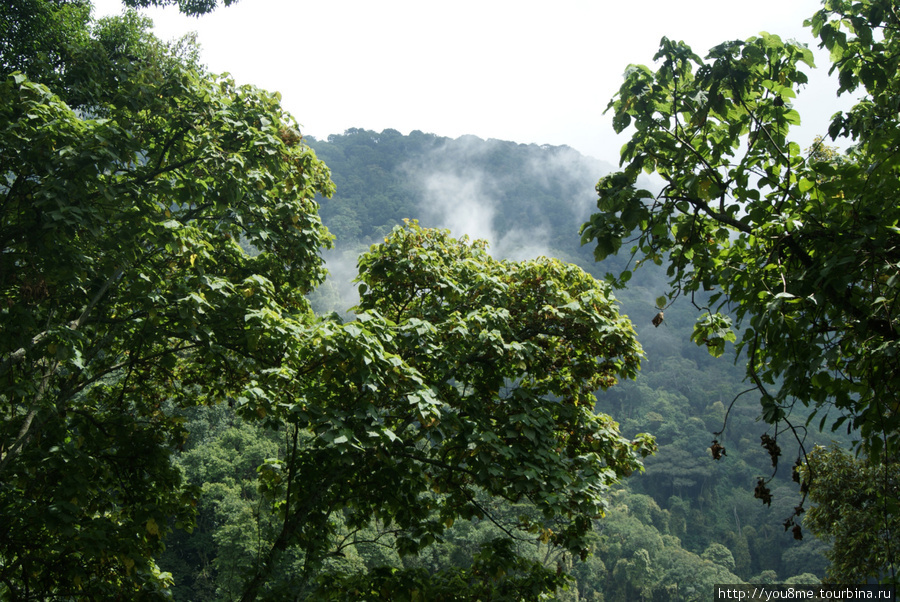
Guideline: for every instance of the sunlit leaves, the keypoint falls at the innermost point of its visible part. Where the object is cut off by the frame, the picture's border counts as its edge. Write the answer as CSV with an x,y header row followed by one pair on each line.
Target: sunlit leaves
x,y
460,376
714,331
800,250
126,294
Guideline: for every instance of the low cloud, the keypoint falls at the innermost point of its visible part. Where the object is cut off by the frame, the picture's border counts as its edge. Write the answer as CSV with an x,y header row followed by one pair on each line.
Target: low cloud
x,y
527,201
459,195
459,202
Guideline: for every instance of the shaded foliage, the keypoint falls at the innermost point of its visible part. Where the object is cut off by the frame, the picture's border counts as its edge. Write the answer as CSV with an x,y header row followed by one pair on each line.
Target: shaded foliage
x,y
799,251
855,509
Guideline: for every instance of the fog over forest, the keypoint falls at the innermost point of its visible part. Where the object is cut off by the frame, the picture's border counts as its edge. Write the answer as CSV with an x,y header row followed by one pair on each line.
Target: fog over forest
x,y
529,201
498,191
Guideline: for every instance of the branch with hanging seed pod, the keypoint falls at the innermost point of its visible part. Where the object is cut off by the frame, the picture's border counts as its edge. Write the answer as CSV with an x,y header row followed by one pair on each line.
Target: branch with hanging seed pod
x,y
762,492
662,303
772,447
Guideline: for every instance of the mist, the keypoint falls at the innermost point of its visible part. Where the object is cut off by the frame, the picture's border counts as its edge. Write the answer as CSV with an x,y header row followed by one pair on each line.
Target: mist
x,y
463,190
526,201
460,202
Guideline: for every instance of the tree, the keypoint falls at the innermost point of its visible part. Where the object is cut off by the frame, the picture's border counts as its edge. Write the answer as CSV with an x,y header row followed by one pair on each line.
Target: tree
x,y
132,184
193,8
648,564
850,511
37,36
720,555
460,376
801,250
125,191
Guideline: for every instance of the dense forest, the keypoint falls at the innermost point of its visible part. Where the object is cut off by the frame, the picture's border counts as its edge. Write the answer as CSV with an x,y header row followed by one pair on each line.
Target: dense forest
x,y
685,502
238,363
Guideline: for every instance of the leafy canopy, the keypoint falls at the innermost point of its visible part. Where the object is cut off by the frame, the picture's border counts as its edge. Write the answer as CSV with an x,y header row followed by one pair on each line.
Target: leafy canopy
x,y
845,490
193,8
461,376
802,250
124,293
37,36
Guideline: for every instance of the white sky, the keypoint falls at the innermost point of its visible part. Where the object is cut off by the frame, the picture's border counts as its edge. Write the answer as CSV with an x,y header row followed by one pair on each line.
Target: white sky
x,y
526,71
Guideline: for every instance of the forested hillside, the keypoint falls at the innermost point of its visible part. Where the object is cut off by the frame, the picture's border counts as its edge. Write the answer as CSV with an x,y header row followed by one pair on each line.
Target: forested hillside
x,y
525,200
681,394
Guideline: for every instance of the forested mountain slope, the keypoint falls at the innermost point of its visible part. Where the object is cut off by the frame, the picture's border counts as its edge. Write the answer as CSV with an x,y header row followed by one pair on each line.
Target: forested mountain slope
x,y
489,188
529,200
526,200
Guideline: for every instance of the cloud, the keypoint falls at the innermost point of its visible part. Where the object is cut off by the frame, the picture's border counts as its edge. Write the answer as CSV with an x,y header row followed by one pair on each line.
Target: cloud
x,y
459,202
520,244
467,186
526,200
338,293
575,176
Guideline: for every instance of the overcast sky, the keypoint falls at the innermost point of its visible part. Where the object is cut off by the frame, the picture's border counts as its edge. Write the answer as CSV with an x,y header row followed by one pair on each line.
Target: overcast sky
x,y
530,72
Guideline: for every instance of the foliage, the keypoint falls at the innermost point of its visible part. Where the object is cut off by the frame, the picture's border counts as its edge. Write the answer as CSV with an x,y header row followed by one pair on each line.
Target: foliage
x,y
709,502
38,36
233,524
497,573
644,561
194,8
801,250
461,374
855,507
125,293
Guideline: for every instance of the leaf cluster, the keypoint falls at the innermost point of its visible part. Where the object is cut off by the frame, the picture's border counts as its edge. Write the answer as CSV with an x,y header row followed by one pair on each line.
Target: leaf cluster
x,y
855,508
460,375
801,249
124,293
